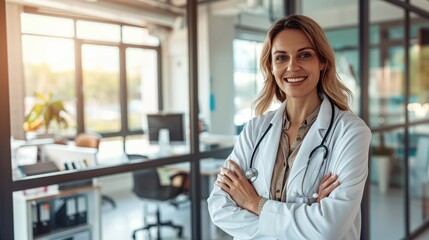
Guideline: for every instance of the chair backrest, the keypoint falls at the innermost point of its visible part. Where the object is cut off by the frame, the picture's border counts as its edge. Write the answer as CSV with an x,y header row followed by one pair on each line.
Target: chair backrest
x,y
90,140
146,183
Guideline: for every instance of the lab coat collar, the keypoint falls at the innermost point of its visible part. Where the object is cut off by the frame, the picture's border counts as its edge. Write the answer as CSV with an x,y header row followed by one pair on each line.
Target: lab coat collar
x,y
278,115
325,113
313,138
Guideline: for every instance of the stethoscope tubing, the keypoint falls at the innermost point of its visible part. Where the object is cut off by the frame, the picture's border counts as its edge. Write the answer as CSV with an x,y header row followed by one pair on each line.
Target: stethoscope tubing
x,y
257,144
321,145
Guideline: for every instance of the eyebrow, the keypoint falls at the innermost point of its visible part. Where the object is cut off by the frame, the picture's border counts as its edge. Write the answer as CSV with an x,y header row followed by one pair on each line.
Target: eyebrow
x,y
299,50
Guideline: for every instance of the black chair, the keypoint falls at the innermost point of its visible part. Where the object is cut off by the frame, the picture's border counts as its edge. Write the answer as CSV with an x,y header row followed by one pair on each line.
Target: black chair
x,y
147,185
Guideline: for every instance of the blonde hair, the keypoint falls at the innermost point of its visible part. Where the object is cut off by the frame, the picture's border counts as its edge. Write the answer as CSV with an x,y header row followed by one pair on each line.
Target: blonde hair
x,y
329,83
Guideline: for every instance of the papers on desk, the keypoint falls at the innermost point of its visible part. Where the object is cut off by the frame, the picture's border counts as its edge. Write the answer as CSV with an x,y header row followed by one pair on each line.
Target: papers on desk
x,y
70,157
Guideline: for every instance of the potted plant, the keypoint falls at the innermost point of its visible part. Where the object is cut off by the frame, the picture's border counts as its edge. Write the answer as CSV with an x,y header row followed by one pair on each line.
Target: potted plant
x,y
49,108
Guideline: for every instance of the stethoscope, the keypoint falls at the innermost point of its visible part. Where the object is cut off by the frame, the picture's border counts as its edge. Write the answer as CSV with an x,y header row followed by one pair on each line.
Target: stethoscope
x,y
252,173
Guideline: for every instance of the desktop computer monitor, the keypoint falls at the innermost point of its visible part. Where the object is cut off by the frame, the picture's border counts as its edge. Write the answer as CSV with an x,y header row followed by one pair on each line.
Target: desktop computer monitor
x,y
174,122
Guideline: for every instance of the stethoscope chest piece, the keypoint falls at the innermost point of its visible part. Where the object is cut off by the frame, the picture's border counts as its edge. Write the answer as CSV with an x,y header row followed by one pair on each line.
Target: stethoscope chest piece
x,y
251,174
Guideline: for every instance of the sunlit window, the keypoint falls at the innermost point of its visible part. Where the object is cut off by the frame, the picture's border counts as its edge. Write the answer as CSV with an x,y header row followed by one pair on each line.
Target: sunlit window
x,y
142,75
56,63
247,79
46,25
100,68
98,31
136,35
49,67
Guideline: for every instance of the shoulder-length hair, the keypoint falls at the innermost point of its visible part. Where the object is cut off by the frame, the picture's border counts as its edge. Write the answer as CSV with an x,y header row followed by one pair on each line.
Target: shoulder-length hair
x,y
329,83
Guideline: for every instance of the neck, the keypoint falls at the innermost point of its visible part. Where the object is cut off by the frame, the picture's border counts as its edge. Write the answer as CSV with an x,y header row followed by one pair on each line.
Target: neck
x,y
298,109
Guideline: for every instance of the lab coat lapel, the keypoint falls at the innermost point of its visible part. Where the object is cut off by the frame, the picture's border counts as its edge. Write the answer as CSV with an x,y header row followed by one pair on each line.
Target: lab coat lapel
x,y
269,147
313,138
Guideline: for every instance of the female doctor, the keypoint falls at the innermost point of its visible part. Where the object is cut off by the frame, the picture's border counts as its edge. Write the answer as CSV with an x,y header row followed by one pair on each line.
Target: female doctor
x,y
297,172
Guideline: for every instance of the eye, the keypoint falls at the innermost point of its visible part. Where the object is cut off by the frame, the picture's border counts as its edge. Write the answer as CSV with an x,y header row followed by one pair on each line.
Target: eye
x,y
280,57
305,55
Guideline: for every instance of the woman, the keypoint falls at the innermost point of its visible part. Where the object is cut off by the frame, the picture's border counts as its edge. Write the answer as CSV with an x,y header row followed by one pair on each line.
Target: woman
x,y
301,191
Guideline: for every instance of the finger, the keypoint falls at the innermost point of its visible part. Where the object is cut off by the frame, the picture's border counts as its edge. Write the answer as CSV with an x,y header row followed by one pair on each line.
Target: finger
x,y
326,177
236,168
230,174
325,192
224,179
331,188
327,182
223,186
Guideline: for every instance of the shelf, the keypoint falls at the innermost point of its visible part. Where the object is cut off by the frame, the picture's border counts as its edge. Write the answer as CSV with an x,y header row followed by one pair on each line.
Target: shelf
x,y
55,213
63,232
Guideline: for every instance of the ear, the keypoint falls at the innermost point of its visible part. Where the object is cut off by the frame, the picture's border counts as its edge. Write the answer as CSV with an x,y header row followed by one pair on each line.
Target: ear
x,y
322,66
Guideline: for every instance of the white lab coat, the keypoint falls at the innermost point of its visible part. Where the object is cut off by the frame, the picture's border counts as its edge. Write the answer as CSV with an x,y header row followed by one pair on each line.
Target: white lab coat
x,y
336,217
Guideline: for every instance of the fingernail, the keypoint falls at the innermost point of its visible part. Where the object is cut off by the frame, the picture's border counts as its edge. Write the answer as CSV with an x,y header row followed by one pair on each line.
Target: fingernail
x,y
333,176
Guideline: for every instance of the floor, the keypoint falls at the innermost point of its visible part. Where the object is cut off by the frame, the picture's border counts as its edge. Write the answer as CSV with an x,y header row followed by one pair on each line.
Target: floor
x,y
119,223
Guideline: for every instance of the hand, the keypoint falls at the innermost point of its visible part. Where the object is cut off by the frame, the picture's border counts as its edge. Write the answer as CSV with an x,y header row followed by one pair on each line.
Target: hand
x,y
238,187
327,185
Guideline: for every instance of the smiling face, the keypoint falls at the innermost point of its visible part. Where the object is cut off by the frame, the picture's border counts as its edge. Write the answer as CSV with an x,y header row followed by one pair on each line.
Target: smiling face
x,y
295,64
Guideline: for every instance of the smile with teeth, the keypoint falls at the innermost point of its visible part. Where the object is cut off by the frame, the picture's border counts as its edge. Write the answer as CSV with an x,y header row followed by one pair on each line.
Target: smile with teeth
x,y
295,80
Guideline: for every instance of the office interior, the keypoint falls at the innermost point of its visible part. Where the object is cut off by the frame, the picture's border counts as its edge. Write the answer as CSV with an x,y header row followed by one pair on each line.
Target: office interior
x,y
113,63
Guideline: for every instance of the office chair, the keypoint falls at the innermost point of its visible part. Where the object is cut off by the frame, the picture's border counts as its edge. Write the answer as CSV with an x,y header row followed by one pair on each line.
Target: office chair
x,y
92,140
147,185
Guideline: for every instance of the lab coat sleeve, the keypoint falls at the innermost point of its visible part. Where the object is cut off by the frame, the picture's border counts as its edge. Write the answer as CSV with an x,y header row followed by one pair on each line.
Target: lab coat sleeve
x,y
223,211
335,216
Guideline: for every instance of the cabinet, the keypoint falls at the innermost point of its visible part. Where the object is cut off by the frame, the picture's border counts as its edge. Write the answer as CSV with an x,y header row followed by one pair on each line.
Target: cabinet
x,y
58,214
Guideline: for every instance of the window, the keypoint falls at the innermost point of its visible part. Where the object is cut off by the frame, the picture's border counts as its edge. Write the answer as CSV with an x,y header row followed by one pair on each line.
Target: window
x,y
107,73
49,68
142,75
247,79
100,77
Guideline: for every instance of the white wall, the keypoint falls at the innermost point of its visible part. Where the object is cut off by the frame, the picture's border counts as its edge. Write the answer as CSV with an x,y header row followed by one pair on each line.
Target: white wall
x,y
176,78
221,34
216,33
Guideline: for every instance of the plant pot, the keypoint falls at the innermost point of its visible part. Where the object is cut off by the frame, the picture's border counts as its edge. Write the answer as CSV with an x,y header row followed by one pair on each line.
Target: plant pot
x,y
384,167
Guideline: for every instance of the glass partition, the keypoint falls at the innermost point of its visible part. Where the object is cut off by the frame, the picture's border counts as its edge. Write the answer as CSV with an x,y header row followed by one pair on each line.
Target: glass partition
x,y
418,107
387,190
418,156
140,196
387,107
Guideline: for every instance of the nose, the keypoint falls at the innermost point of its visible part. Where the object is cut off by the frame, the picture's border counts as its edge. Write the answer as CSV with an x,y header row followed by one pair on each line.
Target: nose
x,y
293,65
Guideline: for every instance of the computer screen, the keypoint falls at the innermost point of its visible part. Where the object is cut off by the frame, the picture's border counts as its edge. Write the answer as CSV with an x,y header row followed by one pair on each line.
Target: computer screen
x,y
174,122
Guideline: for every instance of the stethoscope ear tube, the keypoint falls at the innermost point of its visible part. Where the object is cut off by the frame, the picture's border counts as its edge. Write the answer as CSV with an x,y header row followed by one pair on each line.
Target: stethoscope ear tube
x,y
252,173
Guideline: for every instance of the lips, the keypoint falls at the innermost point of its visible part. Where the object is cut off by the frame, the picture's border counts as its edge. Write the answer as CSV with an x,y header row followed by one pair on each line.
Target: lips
x,y
295,79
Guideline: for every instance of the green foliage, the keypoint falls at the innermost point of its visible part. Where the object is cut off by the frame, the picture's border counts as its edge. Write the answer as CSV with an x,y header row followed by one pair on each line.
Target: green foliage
x,y
49,108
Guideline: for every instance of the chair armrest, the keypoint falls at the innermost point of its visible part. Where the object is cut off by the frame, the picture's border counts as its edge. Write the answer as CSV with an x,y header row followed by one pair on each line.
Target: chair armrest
x,y
183,177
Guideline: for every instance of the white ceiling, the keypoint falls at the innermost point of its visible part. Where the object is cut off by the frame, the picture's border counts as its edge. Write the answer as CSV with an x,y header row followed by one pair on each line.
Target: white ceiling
x,y
169,12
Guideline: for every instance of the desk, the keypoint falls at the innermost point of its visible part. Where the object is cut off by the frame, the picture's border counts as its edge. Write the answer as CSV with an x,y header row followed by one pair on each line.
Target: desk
x,y
208,166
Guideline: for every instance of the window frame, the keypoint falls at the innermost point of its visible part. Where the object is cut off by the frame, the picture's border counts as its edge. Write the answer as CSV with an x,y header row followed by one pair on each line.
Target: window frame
x,y
123,95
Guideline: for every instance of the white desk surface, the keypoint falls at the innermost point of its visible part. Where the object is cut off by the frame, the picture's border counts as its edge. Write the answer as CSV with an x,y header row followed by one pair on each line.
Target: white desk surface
x,y
208,166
